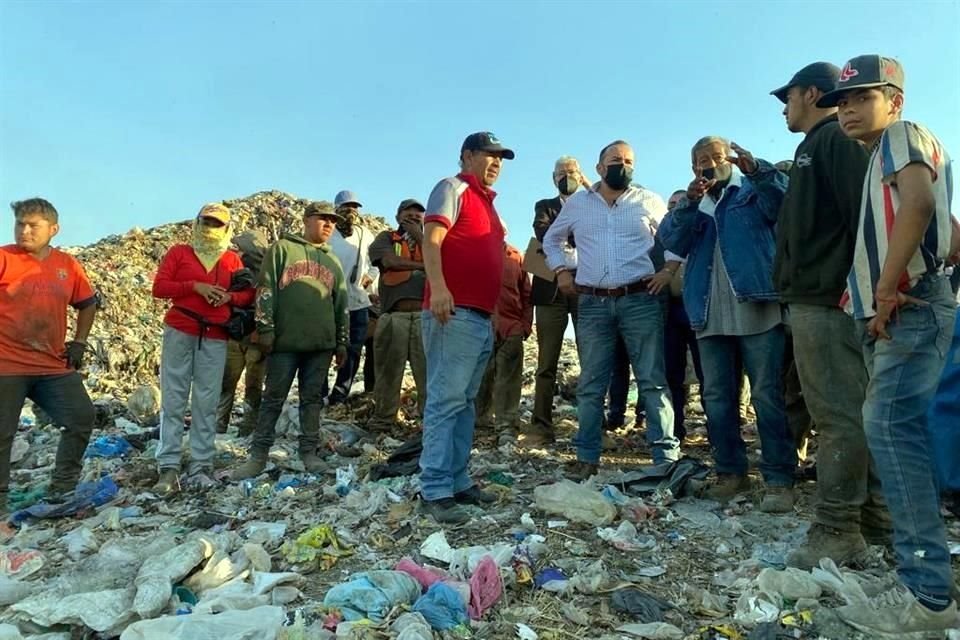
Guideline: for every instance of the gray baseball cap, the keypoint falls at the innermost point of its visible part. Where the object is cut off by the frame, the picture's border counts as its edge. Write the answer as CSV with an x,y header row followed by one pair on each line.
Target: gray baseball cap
x,y
346,197
410,202
821,75
864,72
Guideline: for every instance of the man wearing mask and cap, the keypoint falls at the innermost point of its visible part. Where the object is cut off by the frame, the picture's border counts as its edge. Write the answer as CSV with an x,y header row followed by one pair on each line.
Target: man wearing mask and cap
x,y
724,227
816,233
398,254
243,355
614,223
351,242
552,306
196,278
463,256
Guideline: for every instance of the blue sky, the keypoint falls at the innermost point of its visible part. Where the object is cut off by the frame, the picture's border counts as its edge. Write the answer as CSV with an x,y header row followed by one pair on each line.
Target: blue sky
x,y
136,113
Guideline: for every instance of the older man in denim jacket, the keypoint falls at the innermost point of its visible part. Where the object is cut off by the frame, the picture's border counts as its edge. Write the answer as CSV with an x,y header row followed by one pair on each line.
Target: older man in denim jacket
x,y
725,228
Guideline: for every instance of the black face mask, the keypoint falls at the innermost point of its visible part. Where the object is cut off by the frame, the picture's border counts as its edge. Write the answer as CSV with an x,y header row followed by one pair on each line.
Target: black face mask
x,y
618,176
568,185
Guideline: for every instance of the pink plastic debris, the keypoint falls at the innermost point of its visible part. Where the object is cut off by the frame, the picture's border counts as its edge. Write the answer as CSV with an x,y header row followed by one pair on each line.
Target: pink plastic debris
x,y
425,576
486,588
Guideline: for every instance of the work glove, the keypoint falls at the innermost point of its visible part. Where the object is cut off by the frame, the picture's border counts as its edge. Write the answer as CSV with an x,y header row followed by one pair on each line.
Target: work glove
x,y
75,353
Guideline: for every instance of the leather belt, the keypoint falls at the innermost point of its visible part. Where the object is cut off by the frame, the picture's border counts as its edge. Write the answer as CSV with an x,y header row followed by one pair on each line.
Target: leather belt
x,y
639,286
406,306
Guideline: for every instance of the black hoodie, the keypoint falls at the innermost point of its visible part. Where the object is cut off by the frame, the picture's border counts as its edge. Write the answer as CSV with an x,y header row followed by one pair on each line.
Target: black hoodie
x,y
818,221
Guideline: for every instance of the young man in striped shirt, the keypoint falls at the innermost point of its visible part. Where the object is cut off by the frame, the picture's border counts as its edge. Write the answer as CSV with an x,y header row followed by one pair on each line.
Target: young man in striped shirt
x,y
901,299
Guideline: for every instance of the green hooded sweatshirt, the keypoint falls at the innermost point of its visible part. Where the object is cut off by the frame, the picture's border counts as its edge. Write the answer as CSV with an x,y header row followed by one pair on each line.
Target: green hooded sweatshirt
x,y
302,297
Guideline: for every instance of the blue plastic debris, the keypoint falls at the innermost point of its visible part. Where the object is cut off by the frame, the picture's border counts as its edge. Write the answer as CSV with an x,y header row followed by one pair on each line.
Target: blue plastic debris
x,y
108,447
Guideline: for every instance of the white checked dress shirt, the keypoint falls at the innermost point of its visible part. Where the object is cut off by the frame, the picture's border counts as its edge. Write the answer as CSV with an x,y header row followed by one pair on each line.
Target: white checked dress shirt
x,y
613,242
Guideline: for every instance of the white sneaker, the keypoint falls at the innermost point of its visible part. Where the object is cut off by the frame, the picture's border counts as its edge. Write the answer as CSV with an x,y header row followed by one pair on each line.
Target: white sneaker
x,y
895,612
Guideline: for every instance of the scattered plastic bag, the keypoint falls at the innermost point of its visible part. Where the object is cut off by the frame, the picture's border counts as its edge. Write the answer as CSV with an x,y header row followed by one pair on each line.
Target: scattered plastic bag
x,y
80,542
108,447
843,584
642,606
653,631
265,533
426,576
346,477
373,594
158,574
261,623
485,588
626,538
318,544
526,633
442,607
86,495
576,502
551,579
13,590
436,547
20,563
789,584
754,608
412,626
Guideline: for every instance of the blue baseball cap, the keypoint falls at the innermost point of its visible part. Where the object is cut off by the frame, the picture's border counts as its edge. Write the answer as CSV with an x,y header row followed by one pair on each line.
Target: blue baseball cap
x,y
346,197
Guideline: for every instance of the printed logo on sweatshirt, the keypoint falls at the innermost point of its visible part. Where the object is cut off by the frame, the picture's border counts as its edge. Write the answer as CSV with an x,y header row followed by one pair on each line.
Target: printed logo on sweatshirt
x,y
805,160
307,269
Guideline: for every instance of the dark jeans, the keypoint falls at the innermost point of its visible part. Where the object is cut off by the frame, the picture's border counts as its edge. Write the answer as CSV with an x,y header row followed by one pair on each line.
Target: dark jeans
x,y
64,398
552,322
834,384
678,337
346,373
311,370
620,389
762,356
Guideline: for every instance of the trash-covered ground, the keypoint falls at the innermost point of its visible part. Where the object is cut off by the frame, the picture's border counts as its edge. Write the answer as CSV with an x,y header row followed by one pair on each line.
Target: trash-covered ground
x,y
294,556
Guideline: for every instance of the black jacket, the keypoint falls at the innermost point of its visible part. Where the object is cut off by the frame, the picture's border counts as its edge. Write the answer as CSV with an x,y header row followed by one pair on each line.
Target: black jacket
x,y
818,221
545,212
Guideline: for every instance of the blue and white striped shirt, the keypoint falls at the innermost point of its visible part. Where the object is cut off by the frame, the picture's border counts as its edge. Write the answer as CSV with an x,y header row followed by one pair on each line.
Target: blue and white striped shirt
x,y
613,242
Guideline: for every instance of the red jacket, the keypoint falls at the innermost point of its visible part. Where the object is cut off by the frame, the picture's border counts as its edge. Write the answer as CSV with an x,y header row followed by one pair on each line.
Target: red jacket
x,y
176,275
514,315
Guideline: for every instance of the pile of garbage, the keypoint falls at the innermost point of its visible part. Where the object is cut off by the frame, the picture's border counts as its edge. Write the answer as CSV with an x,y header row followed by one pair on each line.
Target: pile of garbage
x,y
289,555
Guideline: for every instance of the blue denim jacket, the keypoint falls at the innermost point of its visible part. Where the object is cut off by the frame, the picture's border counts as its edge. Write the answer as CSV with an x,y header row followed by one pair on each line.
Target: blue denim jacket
x,y
744,220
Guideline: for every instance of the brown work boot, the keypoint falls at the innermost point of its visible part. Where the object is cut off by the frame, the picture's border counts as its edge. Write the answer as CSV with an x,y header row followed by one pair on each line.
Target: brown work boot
x,y
168,484
313,463
777,500
608,443
536,439
726,487
822,541
579,471
253,466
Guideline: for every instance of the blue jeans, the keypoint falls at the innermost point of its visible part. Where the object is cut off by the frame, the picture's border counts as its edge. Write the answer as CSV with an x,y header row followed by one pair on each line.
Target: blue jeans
x,y
943,423
620,389
457,355
638,319
762,357
358,333
678,337
904,373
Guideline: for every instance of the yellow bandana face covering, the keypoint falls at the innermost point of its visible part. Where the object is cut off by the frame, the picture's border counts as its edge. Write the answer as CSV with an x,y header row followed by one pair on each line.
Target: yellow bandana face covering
x,y
209,243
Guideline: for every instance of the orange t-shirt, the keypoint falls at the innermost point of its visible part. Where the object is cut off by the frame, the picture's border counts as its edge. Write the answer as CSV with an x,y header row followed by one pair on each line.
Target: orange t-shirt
x,y
34,295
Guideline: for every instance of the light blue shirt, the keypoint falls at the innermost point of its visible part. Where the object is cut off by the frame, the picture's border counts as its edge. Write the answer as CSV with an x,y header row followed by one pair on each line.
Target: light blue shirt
x,y
613,242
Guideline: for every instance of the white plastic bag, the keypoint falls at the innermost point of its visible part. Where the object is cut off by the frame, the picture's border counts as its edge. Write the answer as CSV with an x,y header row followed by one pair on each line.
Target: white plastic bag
x,y
261,623
575,502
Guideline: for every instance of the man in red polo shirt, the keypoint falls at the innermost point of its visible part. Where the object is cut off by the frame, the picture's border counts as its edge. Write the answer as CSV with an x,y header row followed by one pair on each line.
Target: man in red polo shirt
x,y
37,284
463,258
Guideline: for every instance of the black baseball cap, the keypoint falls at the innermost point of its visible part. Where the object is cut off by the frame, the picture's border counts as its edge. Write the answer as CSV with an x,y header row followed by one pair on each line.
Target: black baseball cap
x,y
411,203
864,72
821,75
486,141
